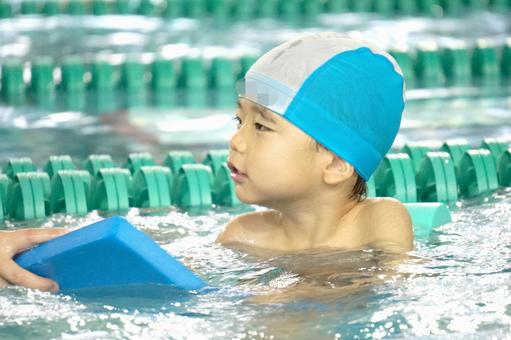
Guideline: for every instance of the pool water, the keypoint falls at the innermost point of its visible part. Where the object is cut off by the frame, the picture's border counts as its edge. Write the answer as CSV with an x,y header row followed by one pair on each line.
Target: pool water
x,y
455,284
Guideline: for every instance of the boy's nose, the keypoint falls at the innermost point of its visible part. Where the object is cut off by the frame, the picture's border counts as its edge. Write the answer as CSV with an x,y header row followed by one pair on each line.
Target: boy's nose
x,y
237,142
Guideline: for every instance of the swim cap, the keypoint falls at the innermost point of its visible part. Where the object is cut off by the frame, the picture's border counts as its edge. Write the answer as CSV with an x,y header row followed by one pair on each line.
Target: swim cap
x,y
345,93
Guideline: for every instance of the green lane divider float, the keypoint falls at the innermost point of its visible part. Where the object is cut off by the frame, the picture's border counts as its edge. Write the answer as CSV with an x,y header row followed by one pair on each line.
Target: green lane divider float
x,y
504,168
222,73
28,196
416,151
456,148
152,187
224,189
102,76
148,8
189,78
406,7
192,82
193,75
288,11
371,187
452,7
485,64
42,84
163,75
436,179
172,9
443,174
428,67
132,78
505,59
29,7
76,7
163,82
111,189
94,163
19,165
215,159
246,62
51,8
426,216
175,159
70,190
4,184
477,174
192,188
496,147
100,7
5,10
132,82
456,65
423,173
311,9
72,75
137,160
242,10
220,11
56,163
225,11
194,9
13,86
123,7
406,63
384,7
395,177
266,9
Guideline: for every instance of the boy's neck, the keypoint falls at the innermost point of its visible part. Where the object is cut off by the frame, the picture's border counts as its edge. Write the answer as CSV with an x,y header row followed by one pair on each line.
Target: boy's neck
x,y
311,224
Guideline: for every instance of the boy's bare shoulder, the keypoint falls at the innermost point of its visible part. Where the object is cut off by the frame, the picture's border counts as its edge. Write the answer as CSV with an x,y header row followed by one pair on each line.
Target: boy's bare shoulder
x,y
389,222
248,228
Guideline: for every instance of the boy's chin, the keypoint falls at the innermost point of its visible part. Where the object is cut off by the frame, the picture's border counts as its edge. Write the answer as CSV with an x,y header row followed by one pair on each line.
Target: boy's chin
x,y
248,201
251,200
261,203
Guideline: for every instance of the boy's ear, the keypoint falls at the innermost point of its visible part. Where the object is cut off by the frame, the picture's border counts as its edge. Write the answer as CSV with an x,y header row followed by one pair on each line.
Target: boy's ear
x,y
337,170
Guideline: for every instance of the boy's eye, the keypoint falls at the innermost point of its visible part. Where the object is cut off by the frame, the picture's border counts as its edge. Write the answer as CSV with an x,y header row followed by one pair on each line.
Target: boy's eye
x,y
260,127
238,121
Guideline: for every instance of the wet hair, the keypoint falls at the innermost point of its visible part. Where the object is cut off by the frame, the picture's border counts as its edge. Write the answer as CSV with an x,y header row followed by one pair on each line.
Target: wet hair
x,y
359,190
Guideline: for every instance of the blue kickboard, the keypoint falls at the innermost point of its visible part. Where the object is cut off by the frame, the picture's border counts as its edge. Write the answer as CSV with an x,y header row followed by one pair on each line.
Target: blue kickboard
x,y
108,253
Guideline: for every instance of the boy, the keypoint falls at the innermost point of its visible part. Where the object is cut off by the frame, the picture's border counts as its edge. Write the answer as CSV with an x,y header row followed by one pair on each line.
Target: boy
x,y
316,116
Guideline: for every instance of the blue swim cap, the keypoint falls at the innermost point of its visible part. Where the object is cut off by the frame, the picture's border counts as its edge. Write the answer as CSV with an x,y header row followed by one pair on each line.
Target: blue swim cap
x,y
346,94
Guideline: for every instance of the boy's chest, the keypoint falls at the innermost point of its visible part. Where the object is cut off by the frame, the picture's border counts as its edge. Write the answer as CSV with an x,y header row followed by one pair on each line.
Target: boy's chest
x,y
345,237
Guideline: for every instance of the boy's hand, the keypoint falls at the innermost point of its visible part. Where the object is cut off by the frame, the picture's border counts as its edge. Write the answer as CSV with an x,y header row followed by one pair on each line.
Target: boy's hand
x,y
14,242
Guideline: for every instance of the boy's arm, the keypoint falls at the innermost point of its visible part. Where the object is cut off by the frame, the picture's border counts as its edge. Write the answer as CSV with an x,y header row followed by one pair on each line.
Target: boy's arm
x,y
391,226
240,230
231,232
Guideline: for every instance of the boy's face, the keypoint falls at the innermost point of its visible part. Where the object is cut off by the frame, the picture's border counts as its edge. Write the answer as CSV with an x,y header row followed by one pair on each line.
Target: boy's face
x,y
271,160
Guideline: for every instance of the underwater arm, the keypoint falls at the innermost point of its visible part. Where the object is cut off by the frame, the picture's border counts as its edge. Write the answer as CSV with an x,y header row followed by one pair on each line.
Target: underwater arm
x,y
13,242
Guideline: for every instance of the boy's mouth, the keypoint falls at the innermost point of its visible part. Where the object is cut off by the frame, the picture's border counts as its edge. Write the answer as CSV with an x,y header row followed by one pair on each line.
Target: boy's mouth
x,y
236,175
